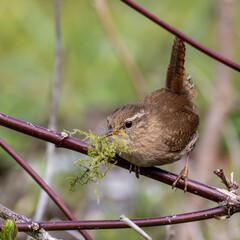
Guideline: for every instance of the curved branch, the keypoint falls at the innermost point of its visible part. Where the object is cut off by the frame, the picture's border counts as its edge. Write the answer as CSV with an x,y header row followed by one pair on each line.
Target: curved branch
x,y
187,39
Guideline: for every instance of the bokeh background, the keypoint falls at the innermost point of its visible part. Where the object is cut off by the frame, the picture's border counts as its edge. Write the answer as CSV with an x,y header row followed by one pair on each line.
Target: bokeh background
x,y
111,56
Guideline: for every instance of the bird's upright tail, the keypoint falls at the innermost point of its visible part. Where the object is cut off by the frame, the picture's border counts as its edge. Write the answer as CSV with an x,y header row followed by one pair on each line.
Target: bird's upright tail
x,y
176,80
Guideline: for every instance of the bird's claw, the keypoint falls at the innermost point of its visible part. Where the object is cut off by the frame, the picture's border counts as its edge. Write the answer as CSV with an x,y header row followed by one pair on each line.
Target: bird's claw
x,y
183,175
134,168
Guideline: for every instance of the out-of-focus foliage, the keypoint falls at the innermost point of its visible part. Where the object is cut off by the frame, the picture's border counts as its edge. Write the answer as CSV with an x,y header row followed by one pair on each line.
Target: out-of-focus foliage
x,y
93,84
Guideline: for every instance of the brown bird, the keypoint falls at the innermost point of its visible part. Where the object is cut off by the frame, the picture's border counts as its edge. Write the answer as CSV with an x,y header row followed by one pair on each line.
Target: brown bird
x,y
162,127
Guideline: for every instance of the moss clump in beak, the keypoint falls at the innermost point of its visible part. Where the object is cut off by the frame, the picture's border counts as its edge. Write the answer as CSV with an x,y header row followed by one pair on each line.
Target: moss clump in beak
x,y
100,158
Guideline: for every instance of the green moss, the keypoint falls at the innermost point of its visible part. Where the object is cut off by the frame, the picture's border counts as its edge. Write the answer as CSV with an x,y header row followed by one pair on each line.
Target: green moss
x,y
99,161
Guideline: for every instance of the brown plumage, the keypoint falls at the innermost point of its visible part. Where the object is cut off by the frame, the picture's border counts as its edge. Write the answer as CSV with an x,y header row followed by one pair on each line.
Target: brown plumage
x,y
162,127
176,72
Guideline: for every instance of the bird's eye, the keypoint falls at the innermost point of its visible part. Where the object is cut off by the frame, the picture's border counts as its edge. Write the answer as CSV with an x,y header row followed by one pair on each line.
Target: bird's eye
x,y
128,124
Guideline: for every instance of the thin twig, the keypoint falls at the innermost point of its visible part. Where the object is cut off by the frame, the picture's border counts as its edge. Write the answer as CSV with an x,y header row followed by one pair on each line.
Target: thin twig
x,y
132,225
230,184
111,33
6,213
33,228
187,39
50,150
170,233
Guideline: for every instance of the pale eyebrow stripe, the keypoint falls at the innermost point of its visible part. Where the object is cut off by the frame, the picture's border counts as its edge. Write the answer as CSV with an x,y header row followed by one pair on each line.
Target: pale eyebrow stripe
x,y
137,115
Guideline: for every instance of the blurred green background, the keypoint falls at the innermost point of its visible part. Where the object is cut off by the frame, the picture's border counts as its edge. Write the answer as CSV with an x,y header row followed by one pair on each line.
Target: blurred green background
x,y
93,83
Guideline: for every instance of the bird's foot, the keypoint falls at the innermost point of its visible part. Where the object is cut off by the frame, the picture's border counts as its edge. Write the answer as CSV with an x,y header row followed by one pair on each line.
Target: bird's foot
x,y
134,168
183,175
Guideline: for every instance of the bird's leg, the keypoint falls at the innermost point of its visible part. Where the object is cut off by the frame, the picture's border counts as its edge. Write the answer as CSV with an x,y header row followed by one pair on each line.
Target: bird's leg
x,y
137,171
134,168
183,175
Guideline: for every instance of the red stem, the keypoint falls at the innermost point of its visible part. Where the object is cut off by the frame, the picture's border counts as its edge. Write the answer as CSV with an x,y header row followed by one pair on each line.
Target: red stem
x,y
42,184
187,39
143,222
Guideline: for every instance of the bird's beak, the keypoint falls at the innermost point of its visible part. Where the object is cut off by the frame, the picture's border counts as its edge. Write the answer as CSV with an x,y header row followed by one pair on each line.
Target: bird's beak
x,y
110,132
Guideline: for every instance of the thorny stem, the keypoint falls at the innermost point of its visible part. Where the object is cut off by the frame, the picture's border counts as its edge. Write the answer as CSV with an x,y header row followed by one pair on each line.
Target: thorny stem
x,y
229,202
187,39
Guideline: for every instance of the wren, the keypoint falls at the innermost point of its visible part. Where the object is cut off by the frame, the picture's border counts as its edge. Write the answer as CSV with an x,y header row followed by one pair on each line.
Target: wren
x,y
162,127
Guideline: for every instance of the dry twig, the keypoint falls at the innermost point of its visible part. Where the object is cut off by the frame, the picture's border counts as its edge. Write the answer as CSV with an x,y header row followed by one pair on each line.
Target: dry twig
x,y
50,150
135,227
33,228
122,54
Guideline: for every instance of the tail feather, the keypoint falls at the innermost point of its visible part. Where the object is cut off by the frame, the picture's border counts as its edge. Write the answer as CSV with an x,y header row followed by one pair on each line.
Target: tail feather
x,y
176,72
